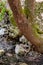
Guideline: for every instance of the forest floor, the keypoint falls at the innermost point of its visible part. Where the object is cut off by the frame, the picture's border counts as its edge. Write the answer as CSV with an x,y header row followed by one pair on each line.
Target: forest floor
x,y
15,49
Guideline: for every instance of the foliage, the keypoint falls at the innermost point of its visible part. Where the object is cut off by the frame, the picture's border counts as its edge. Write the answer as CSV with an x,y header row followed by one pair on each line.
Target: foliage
x,y
12,18
3,9
38,11
38,8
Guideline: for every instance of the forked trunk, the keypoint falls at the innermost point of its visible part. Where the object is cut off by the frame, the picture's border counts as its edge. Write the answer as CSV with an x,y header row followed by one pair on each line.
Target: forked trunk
x,y
25,25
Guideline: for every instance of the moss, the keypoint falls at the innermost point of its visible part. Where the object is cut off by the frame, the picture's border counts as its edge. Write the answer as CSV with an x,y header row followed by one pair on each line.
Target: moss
x,y
3,9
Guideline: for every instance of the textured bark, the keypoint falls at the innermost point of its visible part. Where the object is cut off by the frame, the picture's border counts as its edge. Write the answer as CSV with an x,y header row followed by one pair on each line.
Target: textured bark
x,y
25,25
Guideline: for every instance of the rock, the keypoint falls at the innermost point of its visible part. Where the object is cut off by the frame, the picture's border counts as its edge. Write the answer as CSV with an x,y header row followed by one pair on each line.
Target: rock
x,y
1,52
19,49
2,30
23,39
5,45
22,48
9,54
22,64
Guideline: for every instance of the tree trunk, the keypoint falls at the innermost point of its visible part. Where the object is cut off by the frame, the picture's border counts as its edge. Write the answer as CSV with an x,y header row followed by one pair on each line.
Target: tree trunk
x,y
25,26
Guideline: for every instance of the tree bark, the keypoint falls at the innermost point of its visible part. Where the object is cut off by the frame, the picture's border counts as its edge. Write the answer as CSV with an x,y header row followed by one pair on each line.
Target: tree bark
x,y
25,26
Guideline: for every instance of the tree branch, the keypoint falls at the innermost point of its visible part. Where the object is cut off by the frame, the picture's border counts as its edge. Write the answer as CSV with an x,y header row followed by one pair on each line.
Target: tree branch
x,y
29,9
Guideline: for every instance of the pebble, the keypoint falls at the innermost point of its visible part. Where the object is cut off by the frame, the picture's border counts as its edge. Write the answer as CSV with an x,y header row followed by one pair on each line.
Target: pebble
x,y
23,64
1,52
19,49
2,30
23,39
